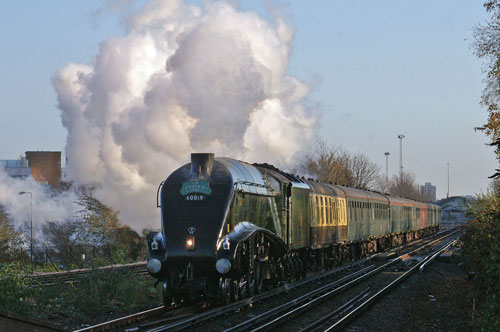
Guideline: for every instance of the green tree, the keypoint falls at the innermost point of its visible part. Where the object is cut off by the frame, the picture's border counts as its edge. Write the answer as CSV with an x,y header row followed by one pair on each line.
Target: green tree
x,y
487,47
97,221
481,252
98,226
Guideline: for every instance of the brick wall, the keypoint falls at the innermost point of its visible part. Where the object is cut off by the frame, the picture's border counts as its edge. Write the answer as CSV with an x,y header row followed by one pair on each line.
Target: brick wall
x,y
45,167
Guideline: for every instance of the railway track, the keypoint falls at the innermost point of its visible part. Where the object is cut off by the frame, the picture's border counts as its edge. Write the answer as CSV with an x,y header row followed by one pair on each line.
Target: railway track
x,y
304,312
190,318
363,305
51,278
143,320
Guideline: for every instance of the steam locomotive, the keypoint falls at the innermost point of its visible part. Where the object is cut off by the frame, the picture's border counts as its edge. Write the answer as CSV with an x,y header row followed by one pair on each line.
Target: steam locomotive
x,y
231,229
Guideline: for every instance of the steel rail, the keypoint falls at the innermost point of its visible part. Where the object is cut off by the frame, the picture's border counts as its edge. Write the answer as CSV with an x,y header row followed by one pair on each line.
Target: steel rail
x,y
422,267
122,320
355,312
51,278
343,308
283,312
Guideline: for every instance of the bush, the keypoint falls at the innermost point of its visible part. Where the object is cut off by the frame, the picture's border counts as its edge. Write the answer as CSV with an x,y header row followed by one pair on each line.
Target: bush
x,y
99,293
95,295
16,293
481,251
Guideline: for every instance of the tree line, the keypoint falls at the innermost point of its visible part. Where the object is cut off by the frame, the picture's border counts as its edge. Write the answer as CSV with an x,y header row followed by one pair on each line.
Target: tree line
x,y
334,164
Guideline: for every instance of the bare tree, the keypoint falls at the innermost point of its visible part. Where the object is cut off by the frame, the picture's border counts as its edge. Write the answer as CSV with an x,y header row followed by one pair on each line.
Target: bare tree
x,y
334,164
382,184
364,171
11,241
404,186
60,243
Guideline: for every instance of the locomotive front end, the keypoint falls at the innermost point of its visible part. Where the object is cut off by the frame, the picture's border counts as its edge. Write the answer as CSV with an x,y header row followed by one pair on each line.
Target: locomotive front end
x,y
195,200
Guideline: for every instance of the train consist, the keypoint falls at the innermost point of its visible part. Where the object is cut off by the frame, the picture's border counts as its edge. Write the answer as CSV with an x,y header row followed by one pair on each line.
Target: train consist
x,y
231,229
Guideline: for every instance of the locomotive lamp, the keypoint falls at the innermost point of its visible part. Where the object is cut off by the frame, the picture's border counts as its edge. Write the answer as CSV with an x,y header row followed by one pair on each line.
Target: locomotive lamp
x,y
154,265
190,243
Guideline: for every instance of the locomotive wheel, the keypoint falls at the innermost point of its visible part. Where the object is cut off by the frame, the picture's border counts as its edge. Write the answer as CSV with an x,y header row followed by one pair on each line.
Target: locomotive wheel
x,y
295,268
257,282
280,275
250,284
225,290
303,271
235,291
167,294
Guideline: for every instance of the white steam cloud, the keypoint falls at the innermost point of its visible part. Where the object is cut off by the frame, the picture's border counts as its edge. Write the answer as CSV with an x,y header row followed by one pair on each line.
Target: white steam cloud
x,y
44,206
183,79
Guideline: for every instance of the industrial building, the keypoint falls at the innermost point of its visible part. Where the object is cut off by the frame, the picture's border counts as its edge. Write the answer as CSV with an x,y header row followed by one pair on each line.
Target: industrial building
x,y
16,168
43,166
454,208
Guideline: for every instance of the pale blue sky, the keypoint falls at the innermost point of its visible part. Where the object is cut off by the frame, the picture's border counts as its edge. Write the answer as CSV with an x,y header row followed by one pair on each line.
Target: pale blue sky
x,y
377,69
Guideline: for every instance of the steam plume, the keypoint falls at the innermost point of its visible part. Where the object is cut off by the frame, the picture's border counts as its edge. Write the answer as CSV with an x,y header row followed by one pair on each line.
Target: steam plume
x,y
45,207
181,79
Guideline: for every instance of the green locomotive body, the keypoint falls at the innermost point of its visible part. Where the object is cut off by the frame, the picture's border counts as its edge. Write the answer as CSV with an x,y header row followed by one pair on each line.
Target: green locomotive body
x,y
230,229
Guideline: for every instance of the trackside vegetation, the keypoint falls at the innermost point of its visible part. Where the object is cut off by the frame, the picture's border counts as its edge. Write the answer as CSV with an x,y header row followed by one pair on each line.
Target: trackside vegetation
x,y
94,238
482,239
481,252
94,296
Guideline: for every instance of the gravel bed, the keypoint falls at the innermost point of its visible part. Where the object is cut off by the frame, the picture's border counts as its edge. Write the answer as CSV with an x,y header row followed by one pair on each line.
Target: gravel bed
x,y
439,299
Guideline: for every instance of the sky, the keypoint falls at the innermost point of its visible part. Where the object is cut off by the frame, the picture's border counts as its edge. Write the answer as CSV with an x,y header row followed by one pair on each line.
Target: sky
x,y
374,70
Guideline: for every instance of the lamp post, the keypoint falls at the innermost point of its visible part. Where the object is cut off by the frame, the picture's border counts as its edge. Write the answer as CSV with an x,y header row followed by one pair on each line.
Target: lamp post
x,y
448,172
31,222
401,155
387,167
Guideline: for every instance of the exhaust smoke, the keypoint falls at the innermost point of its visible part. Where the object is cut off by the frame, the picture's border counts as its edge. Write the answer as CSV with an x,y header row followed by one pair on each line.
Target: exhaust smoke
x,y
182,79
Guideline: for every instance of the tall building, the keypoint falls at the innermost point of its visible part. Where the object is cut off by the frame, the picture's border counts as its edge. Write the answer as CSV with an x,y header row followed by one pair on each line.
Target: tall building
x,y
429,191
45,167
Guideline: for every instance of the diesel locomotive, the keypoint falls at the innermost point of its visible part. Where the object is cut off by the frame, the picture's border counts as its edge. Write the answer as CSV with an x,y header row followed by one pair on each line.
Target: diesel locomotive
x,y
230,229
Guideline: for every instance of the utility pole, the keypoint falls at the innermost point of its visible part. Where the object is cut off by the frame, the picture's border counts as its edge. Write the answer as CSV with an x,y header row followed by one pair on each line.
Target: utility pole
x,y
387,167
401,155
448,193
31,222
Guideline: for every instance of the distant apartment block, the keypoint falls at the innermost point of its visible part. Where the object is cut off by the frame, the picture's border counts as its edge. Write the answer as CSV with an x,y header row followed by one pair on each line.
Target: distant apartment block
x,y
429,191
45,167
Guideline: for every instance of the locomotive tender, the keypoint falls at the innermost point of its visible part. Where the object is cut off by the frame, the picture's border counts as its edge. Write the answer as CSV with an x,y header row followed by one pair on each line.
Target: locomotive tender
x,y
230,229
